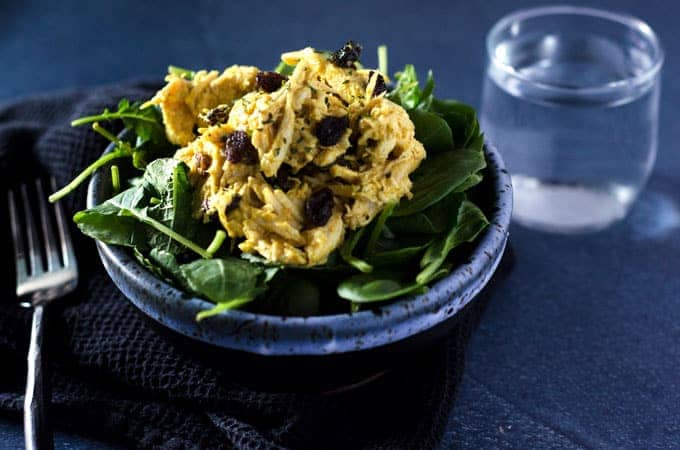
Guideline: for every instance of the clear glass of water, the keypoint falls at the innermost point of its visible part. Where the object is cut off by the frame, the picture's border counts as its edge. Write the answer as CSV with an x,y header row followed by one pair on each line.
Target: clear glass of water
x,y
571,99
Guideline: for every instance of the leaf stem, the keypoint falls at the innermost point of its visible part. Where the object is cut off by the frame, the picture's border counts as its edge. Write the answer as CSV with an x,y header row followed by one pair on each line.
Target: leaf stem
x,y
110,116
172,234
89,170
382,60
217,242
107,134
115,179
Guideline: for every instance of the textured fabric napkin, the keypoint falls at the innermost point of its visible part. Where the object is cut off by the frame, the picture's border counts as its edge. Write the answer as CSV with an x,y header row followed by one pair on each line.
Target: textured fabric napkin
x,y
116,378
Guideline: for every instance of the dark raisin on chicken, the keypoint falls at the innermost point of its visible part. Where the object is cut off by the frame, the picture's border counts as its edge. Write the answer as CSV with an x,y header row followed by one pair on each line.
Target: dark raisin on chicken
x,y
202,162
319,207
282,179
309,170
347,55
269,81
330,129
380,85
217,115
238,148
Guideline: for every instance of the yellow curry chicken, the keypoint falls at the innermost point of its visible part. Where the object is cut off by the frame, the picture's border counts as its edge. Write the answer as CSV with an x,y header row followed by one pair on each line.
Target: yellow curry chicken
x,y
288,164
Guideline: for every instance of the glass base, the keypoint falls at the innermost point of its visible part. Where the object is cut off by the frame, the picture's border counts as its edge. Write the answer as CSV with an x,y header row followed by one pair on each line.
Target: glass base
x,y
568,208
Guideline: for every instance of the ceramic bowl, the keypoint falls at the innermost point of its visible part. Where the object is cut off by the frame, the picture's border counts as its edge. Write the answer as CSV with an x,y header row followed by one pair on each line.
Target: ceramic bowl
x,y
389,325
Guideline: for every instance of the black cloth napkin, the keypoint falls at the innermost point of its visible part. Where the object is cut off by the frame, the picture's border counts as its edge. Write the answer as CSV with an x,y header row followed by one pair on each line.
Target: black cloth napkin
x,y
116,378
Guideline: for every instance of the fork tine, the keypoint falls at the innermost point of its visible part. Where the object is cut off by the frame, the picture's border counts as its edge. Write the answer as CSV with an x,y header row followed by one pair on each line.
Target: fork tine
x,y
66,244
34,258
51,249
19,254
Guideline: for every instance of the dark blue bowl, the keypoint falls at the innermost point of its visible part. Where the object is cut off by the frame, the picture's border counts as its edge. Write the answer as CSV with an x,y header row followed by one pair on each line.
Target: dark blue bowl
x,y
389,325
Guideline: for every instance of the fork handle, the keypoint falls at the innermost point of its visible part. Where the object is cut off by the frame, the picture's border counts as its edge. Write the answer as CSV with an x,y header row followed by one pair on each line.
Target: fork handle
x,y
36,432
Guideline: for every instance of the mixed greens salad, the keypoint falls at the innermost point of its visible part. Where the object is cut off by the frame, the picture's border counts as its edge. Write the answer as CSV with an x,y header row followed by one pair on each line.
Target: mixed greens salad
x,y
402,251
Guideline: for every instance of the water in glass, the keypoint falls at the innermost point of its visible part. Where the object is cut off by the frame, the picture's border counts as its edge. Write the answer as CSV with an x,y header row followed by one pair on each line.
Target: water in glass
x,y
577,163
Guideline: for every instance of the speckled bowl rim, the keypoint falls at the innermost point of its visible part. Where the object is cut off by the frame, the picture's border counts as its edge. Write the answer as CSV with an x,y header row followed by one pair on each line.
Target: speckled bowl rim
x,y
318,335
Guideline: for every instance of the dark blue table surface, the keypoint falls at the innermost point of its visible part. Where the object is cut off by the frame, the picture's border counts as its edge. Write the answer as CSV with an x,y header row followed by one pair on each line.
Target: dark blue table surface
x,y
580,346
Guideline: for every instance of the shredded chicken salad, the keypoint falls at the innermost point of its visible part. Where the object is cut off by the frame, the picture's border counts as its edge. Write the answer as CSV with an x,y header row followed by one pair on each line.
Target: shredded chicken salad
x,y
291,191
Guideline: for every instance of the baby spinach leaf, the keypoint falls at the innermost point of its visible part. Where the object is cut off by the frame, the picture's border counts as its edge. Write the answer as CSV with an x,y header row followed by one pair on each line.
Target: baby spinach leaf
x,y
145,122
431,130
396,257
167,179
112,220
366,288
150,143
378,226
407,90
426,97
229,282
347,248
106,223
300,297
438,176
418,223
469,223
460,117
284,69
434,220
477,143
187,74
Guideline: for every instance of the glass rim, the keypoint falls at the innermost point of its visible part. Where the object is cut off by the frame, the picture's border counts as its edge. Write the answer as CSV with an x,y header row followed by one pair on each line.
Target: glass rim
x,y
628,21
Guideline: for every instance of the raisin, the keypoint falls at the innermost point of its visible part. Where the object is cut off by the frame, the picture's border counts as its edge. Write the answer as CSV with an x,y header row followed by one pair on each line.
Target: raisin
x,y
319,207
380,85
217,115
349,163
309,170
238,148
269,81
202,162
282,179
330,129
347,55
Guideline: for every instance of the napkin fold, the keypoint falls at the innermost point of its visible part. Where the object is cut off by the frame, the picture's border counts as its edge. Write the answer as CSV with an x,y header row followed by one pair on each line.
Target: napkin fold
x,y
116,378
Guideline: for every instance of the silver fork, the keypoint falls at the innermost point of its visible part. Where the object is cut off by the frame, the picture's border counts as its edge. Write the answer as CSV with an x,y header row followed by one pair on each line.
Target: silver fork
x,y
36,287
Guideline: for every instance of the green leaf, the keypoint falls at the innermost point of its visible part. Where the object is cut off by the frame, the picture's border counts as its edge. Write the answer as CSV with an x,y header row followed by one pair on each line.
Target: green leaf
x,y
426,97
284,69
407,90
347,248
382,59
106,223
367,288
469,223
167,262
378,226
461,118
438,176
418,223
432,131
300,297
150,141
187,74
165,222
396,257
223,280
433,220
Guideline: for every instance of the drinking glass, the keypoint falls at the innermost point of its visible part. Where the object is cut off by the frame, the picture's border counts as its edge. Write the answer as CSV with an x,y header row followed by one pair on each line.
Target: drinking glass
x,y
571,99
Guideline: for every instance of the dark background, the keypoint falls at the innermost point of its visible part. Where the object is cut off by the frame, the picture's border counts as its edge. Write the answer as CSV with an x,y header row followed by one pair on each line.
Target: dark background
x,y
580,346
